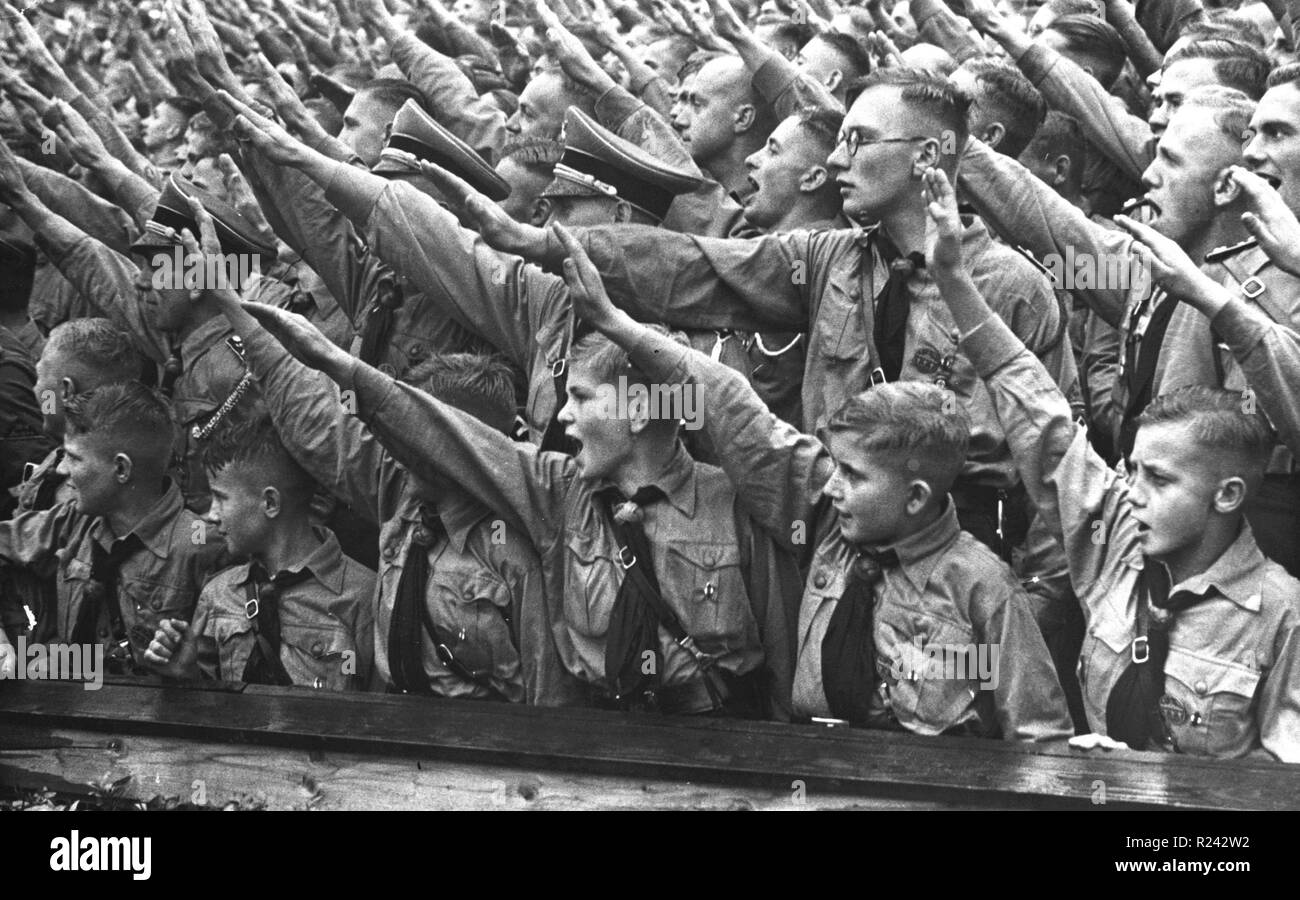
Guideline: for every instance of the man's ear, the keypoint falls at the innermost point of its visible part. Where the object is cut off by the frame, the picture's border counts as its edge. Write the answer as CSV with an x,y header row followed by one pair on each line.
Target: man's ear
x,y
622,212
994,134
1231,495
638,411
1226,189
272,505
813,179
1062,167
540,212
927,157
834,79
746,116
122,468
919,493
67,389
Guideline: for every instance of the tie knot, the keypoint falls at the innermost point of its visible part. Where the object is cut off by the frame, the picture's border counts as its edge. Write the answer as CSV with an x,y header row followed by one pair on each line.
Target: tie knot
x,y
871,564
629,509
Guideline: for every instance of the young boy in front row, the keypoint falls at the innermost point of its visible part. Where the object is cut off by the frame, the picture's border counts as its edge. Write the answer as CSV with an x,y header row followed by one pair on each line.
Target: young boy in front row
x,y
126,551
298,611
907,622
1193,637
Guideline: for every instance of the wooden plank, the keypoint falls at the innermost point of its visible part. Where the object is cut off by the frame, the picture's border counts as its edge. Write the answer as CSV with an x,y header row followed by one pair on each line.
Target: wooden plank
x,y
712,751
254,776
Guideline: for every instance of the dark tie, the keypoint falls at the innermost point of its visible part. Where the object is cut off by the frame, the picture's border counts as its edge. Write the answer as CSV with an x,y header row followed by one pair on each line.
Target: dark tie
x,y
377,330
405,643
1133,708
891,310
264,664
102,593
849,645
633,622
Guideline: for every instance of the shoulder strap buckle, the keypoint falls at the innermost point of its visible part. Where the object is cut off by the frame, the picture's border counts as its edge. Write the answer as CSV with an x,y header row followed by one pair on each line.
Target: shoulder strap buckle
x,y
1141,645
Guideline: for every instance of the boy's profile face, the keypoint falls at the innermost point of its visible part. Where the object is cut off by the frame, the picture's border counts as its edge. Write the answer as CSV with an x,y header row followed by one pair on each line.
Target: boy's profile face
x,y
589,418
1172,484
88,463
238,509
870,496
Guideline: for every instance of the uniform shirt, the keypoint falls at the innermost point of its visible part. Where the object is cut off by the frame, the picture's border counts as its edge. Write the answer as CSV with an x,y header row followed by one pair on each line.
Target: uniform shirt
x,y
948,590
825,282
22,439
1232,680
293,285
451,96
1269,356
211,361
485,581
692,532
515,306
326,623
159,581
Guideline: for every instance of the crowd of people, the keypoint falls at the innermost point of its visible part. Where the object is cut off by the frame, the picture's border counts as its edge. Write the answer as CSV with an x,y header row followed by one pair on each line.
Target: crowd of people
x,y
929,366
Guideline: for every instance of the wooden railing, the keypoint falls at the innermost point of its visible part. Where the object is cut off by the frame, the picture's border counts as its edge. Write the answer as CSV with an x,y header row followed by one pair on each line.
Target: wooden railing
x,y
287,747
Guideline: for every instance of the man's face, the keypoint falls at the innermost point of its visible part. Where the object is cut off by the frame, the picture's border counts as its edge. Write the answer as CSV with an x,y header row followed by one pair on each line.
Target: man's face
x,y
982,114
365,122
870,498
775,171
1180,180
163,125
588,417
198,143
878,179
1273,150
681,112
1175,83
526,185
541,108
238,511
1040,161
169,307
714,98
1172,483
88,463
663,57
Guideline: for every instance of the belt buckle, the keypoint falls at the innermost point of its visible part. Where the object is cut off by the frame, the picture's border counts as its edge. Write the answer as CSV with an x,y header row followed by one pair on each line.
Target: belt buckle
x,y
1142,642
623,553
1252,287
252,608
878,376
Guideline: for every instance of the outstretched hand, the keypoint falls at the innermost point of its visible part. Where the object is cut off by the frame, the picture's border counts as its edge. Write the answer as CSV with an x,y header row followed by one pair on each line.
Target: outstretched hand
x,y
943,229
1269,220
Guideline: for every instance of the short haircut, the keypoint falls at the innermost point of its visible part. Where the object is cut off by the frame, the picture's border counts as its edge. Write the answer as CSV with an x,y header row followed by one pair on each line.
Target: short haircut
x,y
536,154
823,124
1236,65
934,94
915,421
97,347
251,444
183,105
1074,7
1060,135
1246,28
1209,28
483,386
607,362
858,61
1288,74
394,92
1218,419
133,418
1230,109
1013,99
1098,39
797,33
698,60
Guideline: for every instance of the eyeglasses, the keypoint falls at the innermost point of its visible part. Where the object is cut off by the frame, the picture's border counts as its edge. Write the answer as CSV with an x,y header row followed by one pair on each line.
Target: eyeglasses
x,y
852,139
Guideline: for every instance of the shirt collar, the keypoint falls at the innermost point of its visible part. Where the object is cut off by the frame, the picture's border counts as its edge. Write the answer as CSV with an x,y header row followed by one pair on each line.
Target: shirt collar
x,y
1235,574
154,531
921,551
203,338
676,479
459,513
325,563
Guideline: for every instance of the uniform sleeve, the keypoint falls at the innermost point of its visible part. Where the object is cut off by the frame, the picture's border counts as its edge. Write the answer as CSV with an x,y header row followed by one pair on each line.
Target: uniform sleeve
x,y
435,442
452,98
496,295
1027,696
788,90
1269,355
759,284
1026,212
777,472
1071,487
72,201
1279,700
1122,137
316,425
32,538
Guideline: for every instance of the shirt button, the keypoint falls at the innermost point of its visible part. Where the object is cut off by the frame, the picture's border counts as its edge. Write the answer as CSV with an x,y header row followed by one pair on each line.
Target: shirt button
x,y
156,605
316,648
389,552
318,683
819,580
1202,688
855,294
103,632
416,351
710,558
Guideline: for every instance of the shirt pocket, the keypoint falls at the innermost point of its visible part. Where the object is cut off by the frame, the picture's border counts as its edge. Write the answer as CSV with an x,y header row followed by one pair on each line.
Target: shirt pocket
x,y
591,583
1103,656
842,336
1208,704
935,662
473,614
707,591
235,640
146,602
321,655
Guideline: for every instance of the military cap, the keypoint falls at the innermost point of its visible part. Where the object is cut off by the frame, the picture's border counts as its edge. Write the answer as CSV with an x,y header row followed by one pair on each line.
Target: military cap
x,y
236,234
599,163
416,134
